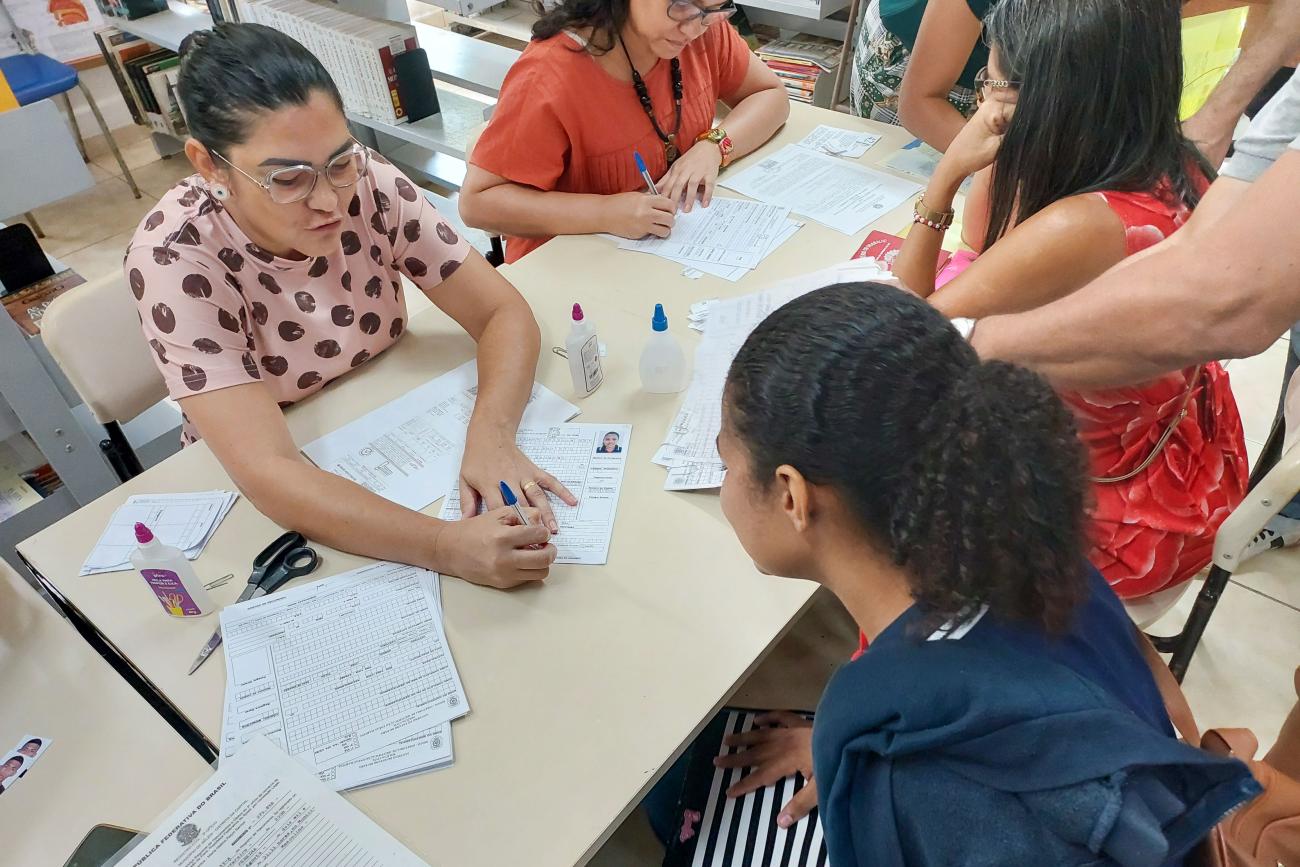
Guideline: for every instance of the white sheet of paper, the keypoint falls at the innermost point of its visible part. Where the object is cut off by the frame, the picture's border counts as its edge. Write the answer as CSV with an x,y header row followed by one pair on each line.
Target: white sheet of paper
x,y
342,668
729,232
407,449
184,521
689,450
734,273
834,192
571,453
839,142
262,807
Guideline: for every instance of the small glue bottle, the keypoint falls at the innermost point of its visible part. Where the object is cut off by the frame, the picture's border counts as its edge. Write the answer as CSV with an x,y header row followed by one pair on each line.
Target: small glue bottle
x,y
663,364
170,576
583,351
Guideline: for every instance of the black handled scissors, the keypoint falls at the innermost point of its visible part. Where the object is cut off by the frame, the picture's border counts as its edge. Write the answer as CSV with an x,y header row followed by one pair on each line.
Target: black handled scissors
x,y
286,558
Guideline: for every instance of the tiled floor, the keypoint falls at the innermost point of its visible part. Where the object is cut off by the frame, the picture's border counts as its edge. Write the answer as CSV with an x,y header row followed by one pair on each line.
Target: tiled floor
x,y
1241,675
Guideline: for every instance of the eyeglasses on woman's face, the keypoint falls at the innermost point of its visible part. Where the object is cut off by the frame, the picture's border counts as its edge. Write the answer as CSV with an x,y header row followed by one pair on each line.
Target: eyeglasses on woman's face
x,y
984,84
289,184
685,12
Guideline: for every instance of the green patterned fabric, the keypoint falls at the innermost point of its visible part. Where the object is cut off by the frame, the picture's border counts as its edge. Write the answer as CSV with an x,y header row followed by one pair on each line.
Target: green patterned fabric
x,y
883,48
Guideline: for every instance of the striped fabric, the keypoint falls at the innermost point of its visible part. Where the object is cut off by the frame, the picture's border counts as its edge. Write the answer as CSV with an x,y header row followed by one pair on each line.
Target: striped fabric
x,y
717,831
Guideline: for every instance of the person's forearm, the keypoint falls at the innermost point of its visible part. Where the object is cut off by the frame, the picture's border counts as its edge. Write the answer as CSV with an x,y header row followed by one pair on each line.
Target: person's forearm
x,y
1145,317
1222,286
930,118
338,512
513,209
916,262
755,118
1212,126
507,363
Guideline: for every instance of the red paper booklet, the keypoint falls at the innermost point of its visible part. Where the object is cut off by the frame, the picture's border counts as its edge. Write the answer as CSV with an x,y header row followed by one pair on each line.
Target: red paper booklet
x,y
884,247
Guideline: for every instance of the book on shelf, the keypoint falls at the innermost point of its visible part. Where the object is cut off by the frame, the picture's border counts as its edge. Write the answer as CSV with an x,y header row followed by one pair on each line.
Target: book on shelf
x,y
118,47
27,305
146,76
25,476
825,53
357,51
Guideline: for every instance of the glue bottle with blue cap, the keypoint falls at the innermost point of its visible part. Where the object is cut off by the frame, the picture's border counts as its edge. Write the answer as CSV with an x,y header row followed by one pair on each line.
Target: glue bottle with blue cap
x,y
663,363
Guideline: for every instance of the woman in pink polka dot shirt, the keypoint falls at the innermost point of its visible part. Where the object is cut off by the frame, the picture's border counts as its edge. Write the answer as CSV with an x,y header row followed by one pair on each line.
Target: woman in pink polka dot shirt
x,y
276,269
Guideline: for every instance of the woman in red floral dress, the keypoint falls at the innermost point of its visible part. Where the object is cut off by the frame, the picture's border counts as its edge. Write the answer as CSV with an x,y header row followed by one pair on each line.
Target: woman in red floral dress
x,y
1078,163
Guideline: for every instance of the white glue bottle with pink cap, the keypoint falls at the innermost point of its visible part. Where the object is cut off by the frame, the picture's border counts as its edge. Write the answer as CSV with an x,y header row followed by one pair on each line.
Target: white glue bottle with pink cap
x,y
583,351
170,576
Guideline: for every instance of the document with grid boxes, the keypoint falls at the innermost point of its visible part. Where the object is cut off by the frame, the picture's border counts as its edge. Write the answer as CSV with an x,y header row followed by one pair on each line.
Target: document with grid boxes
x,y
350,675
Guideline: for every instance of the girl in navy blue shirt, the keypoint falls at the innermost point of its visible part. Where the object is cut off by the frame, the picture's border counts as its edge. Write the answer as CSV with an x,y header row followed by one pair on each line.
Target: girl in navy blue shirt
x,y
1003,713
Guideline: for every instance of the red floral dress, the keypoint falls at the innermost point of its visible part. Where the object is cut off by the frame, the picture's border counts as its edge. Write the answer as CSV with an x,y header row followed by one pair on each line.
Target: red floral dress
x,y
1156,530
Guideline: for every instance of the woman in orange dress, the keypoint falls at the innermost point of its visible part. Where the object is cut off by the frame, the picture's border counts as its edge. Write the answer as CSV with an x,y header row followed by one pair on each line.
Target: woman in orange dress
x,y
603,79
1078,162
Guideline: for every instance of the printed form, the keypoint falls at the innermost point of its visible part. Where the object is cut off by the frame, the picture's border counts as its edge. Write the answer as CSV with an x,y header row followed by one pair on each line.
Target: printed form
x,y
262,807
690,448
729,232
577,455
406,449
834,192
351,675
184,521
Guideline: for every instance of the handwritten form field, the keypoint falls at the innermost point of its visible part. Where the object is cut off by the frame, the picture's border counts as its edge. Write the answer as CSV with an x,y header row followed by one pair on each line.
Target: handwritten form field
x,y
346,674
836,193
569,452
407,449
264,808
728,232
184,521
690,450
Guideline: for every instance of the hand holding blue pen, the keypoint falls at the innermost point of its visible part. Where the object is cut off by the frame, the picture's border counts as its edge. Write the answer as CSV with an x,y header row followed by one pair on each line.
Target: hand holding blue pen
x,y
513,502
645,173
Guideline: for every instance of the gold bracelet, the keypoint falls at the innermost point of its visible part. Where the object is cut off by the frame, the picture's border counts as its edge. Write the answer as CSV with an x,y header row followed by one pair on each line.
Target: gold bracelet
x,y
937,220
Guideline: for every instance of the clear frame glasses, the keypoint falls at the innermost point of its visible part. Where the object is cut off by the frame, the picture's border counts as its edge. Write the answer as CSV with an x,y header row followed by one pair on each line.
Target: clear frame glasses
x,y
685,11
983,81
289,184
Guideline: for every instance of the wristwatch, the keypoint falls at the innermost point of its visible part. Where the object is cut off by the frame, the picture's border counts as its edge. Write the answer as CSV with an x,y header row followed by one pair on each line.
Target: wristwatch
x,y
938,220
719,137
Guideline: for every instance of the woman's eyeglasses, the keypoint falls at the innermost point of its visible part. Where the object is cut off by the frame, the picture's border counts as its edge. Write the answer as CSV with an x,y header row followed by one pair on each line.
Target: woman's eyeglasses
x,y
983,81
294,183
685,11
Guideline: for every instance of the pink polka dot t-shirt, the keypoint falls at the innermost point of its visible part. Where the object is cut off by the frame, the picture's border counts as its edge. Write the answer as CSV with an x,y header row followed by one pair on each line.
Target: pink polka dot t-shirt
x,y
219,311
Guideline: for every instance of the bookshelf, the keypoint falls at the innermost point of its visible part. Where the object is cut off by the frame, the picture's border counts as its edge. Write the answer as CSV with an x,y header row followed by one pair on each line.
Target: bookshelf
x,y
442,135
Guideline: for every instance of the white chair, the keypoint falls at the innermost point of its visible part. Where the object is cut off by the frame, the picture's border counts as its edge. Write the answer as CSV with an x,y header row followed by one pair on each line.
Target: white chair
x,y
1273,483
93,333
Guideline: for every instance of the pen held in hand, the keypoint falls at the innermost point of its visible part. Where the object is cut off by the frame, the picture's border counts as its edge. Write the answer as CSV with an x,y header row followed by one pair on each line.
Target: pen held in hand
x,y
513,502
645,173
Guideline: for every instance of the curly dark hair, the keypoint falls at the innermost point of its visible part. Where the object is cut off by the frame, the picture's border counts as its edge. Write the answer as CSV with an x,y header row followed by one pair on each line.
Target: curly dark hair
x,y
970,474
605,18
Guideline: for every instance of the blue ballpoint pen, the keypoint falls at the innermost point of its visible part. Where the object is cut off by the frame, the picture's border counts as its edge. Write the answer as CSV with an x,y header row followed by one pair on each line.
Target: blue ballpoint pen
x,y
513,502
645,173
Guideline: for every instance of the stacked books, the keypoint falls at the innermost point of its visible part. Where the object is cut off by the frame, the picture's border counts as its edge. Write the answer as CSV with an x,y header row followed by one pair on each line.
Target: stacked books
x,y
800,63
146,75
359,52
